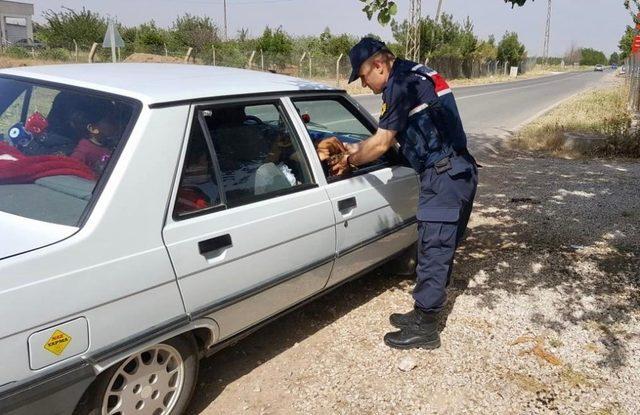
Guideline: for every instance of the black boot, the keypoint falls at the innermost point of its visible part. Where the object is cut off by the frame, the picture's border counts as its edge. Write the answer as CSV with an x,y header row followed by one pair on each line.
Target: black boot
x,y
402,320
421,333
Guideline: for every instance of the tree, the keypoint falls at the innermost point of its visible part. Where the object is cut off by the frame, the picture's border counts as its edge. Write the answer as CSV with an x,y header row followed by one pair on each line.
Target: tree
x,y
592,57
198,32
275,41
511,50
614,59
573,55
625,43
384,9
61,28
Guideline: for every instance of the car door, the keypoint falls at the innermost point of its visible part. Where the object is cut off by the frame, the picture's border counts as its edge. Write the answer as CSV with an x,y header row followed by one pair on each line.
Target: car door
x,y
373,203
250,231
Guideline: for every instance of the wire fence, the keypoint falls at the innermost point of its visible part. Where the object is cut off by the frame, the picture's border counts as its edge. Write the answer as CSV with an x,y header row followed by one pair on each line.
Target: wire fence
x,y
632,69
302,64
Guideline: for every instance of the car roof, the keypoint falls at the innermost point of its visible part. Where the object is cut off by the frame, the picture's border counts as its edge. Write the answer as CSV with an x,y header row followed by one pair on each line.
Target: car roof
x,y
154,83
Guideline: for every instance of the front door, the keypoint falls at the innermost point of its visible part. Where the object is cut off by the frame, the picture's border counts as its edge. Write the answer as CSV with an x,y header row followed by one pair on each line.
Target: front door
x,y
373,202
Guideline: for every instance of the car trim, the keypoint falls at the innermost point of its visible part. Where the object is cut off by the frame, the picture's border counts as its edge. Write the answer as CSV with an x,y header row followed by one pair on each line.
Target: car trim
x,y
405,223
257,289
18,394
279,94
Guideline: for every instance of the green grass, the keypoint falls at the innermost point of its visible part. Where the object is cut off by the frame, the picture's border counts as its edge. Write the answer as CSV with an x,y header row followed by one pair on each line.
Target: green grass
x,y
600,114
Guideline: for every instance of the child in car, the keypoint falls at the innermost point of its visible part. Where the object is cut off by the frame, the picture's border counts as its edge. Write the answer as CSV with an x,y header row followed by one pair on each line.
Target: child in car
x,y
102,136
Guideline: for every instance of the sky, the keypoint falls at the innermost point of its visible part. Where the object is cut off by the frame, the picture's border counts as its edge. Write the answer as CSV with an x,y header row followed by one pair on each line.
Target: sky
x,y
598,24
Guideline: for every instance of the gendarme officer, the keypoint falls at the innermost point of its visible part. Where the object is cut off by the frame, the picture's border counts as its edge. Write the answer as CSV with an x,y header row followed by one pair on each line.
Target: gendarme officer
x,y
420,114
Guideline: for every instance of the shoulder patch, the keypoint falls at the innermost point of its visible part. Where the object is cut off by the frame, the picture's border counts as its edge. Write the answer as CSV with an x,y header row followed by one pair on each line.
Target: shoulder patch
x,y
383,109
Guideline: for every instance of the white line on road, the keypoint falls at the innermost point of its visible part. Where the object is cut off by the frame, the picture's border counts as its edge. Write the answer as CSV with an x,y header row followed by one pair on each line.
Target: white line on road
x,y
512,89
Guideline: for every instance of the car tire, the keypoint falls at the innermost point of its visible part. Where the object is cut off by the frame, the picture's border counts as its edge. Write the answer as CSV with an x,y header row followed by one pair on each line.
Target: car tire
x,y
161,377
405,263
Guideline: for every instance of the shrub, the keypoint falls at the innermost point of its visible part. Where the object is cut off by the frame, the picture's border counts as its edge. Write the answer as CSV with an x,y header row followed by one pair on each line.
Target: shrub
x,y
55,54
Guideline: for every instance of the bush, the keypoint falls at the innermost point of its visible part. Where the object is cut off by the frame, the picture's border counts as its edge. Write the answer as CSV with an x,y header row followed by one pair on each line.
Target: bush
x,y
55,54
17,52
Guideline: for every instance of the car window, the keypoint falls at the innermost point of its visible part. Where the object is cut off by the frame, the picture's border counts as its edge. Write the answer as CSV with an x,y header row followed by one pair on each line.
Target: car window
x,y
198,189
258,154
329,117
55,145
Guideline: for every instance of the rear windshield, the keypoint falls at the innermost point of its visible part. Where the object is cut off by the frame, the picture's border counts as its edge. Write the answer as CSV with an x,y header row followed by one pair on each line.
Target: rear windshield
x,y
55,145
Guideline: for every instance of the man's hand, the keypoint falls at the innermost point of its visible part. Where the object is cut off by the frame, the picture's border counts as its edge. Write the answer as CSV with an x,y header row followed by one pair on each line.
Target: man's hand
x,y
340,165
329,147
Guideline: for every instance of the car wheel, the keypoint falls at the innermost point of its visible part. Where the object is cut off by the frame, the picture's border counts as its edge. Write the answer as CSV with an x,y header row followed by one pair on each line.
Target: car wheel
x,y
405,263
158,380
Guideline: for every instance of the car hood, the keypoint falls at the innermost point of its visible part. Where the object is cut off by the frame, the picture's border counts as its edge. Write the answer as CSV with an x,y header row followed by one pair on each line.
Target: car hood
x,y
20,234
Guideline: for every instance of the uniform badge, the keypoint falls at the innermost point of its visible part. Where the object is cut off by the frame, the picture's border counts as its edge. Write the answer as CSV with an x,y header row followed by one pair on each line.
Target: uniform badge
x,y
383,109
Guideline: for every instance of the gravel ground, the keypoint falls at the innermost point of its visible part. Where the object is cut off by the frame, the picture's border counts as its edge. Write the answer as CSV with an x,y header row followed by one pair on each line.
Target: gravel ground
x,y
542,316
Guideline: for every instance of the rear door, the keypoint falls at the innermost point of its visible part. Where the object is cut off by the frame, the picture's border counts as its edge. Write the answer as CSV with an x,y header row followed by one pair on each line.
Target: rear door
x,y
373,202
250,231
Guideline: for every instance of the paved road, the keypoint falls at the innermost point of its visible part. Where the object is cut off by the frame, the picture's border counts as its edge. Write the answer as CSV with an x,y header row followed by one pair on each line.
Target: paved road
x,y
491,111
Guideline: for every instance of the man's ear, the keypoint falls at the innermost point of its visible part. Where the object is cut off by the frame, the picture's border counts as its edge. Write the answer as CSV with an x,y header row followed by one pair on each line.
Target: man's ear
x,y
92,129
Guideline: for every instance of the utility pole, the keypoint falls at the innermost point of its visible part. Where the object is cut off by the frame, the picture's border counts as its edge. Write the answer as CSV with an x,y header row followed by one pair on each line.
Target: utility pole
x,y
547,36
439,9
226,34
412,51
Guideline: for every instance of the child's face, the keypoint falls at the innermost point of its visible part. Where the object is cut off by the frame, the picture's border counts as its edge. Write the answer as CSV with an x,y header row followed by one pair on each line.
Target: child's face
x,y
106,127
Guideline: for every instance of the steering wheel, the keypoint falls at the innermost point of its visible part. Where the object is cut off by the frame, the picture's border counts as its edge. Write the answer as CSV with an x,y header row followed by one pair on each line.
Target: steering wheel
x,y
253,118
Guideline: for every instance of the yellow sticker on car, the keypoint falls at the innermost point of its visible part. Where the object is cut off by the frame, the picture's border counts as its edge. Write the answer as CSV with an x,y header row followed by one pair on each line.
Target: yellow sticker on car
x,y
57,342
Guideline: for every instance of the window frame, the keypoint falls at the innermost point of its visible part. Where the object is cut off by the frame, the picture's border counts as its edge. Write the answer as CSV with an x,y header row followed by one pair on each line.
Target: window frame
x,y
367,121
197,118
136,106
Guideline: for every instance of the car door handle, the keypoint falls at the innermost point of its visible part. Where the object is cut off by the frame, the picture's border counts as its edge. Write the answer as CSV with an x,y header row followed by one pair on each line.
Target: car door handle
x,y
215,244
347,205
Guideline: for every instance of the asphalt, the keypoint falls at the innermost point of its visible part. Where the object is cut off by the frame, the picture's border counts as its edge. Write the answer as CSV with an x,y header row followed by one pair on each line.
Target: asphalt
x,y
494,111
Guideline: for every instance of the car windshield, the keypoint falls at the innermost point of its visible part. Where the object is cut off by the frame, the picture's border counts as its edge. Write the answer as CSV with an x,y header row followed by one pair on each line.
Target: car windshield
x,y
55,144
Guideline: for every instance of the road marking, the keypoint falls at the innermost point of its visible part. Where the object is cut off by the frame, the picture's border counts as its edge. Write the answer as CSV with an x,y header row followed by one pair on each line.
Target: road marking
x,y
513,89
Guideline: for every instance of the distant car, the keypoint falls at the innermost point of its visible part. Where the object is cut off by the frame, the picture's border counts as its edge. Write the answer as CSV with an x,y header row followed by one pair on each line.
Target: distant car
x,y
28,43
614,66
599,68
202,213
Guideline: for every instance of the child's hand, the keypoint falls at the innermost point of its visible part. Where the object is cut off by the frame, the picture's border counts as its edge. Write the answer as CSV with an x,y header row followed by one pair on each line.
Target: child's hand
x,y
329,147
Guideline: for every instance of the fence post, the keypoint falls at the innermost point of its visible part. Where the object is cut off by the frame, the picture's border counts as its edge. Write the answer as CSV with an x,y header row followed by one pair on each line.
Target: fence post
x,y
304,54
338,70
506,68
261,60
309,64
250,63
213,47
92,53
75,45
188,55
166,52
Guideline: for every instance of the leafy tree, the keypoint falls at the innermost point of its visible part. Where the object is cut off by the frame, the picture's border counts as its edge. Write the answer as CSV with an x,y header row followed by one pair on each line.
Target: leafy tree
x,y
198,32
62,27
625,43
384,9
275,41
511,50
592,57
614,59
